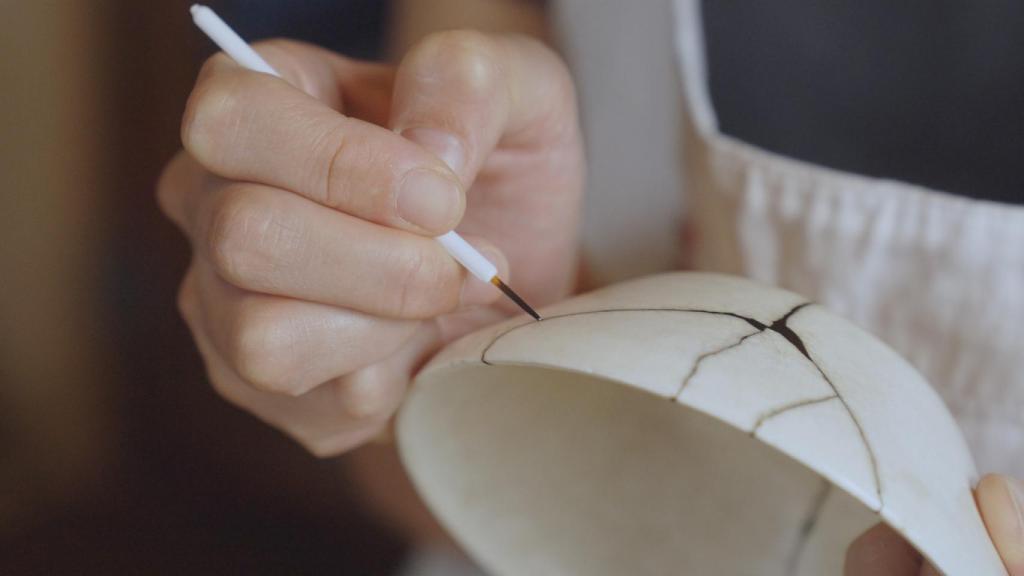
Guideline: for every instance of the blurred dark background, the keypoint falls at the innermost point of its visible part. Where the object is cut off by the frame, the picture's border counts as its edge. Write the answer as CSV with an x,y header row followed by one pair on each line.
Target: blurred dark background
x,y
117,457
925,91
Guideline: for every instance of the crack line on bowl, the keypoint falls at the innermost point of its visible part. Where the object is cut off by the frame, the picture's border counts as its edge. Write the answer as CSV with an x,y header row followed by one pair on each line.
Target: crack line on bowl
x,y
787,407
779,326
760,326
706,355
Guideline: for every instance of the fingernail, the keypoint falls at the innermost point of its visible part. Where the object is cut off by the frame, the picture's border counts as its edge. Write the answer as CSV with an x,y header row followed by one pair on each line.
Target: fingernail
x,y
442,144
476,292
429,200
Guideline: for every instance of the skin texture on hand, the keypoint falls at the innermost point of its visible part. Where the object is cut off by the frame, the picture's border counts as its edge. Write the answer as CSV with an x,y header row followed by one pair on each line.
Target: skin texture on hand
x,y
882,552
316,289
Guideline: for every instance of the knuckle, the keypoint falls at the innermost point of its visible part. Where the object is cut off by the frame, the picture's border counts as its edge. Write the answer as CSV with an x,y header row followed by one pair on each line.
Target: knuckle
x,y
366,403
235,224
208,116
224,234
467,60
334,146
262,348
369,396
360,174
426,285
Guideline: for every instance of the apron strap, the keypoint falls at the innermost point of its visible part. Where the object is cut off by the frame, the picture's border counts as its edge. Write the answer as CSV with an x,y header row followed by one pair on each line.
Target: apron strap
x,y
689,38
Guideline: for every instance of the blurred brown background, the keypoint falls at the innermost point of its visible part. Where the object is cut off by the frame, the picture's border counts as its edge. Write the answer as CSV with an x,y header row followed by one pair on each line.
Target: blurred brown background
x,y
115,456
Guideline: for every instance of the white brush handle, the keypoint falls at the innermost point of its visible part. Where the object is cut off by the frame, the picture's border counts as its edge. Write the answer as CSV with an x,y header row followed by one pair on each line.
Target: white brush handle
x,y
232,44
468,256
228,40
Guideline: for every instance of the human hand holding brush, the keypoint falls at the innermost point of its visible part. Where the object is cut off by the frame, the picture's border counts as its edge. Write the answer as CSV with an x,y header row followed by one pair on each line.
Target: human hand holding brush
x,y
316,289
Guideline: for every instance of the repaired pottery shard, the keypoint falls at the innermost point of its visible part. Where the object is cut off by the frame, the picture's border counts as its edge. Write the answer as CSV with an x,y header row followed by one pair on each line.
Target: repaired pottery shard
x,y
549,447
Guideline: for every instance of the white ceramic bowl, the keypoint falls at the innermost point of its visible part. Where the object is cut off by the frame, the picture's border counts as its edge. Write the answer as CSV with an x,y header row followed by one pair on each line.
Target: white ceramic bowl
x,y
687,424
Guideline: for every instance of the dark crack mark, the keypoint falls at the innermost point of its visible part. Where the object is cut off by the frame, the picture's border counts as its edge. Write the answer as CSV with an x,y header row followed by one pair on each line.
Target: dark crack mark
x,y
710,353
760,326
787,407
780,327
808,525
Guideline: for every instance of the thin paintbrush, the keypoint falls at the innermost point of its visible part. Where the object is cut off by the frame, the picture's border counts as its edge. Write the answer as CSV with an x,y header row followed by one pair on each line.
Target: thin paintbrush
x,y
233,45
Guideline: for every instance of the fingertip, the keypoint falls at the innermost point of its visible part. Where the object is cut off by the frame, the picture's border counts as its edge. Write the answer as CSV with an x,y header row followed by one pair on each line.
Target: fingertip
x,y
466,63
1001,502
369,395
450,97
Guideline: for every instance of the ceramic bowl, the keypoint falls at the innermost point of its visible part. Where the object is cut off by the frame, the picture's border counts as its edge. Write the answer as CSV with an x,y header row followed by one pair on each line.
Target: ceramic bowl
x,y
686,424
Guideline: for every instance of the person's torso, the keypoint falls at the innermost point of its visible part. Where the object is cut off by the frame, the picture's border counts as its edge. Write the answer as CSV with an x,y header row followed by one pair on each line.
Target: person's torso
x,y
938,276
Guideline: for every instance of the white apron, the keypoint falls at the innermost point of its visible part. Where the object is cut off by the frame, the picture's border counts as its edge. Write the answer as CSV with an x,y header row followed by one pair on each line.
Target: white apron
x,y
938,277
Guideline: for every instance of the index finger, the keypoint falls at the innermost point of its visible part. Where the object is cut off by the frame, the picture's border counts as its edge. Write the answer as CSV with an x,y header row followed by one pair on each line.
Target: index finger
x,y
245,125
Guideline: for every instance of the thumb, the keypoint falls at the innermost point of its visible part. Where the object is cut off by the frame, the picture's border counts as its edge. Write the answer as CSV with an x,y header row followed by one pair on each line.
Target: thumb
x,y
1001,502
459,93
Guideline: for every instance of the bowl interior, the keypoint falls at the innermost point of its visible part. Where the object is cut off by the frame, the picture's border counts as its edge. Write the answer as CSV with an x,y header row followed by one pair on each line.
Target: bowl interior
x,y
538,470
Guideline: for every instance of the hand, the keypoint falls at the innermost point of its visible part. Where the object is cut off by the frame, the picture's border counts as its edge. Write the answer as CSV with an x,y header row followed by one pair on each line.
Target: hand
x,y
316,290
881,552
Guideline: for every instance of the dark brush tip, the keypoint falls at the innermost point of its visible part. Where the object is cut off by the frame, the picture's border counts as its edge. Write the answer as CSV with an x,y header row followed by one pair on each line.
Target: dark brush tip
x,y
515,298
